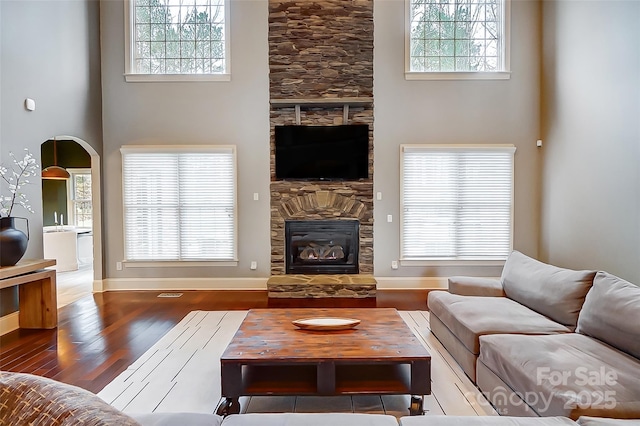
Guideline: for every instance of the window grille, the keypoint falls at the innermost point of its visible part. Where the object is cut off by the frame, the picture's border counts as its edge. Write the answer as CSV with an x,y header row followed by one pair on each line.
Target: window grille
x,y
177,37
81,213
456,202
457,36
179,203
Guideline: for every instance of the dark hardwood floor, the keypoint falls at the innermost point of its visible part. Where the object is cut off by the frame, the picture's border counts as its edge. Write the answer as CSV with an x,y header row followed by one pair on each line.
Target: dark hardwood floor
x,y
100,335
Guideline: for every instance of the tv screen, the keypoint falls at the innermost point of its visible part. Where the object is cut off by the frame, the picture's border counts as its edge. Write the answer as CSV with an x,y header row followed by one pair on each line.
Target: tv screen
x,y
322,152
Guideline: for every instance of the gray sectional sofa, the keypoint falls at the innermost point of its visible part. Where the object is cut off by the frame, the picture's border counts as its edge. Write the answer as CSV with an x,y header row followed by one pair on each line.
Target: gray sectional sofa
x,y
545,341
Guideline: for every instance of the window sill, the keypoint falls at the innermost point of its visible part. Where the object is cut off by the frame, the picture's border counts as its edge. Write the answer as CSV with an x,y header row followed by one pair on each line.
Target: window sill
x,y
168,78
177,264
452,262
501,75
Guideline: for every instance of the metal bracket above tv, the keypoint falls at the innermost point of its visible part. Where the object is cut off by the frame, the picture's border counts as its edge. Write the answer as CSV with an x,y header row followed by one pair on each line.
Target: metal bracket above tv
x,y
345,103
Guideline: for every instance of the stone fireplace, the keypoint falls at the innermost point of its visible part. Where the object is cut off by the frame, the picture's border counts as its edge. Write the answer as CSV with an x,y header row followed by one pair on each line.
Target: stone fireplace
x,y
291,201
321,73
321,202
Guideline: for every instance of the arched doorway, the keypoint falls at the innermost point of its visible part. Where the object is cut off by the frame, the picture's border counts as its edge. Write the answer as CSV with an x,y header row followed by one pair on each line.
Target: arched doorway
x,y
88,228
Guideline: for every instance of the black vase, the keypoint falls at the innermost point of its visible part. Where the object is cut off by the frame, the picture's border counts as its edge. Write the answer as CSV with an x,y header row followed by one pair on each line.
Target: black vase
x,y
13,242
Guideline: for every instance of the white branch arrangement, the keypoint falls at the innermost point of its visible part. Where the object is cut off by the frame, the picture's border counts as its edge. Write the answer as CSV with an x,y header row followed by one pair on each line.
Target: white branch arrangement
x,y
15,178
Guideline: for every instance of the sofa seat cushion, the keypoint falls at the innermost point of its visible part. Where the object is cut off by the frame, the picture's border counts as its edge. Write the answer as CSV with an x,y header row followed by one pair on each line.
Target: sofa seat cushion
x,y
484,421
611,313
469,317
554,292
33,400
565,374
310,419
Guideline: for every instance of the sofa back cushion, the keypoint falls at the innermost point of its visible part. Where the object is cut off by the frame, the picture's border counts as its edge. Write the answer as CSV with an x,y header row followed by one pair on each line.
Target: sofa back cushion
x,y
611,312
557,293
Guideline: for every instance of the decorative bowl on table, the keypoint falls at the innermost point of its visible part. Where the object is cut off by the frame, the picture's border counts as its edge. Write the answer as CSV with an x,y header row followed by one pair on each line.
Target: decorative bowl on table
x,y
325,323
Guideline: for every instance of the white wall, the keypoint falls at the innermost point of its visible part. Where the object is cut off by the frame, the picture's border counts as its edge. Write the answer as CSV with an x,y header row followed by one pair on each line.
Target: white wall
x,y
591,171
236,112
49,51
498,111
228,113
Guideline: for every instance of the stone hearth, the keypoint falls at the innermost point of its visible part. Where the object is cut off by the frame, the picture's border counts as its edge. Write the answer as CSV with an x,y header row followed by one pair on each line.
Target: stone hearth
x,y
319,286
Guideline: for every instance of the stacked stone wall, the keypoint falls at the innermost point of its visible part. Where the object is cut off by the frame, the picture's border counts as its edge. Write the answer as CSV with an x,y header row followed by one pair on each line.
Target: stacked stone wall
x,y
321,49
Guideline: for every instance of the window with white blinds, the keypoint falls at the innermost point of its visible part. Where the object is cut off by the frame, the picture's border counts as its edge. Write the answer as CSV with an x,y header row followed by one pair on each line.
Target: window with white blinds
x,y
179,203
456,202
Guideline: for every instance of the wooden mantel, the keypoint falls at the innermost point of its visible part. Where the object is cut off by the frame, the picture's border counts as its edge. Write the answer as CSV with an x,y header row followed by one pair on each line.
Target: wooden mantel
x,y
343,103
322,102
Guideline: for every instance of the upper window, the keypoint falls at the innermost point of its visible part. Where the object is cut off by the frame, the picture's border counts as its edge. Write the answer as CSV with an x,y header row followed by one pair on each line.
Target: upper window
x,y
457,39
177,40
456,202
179,203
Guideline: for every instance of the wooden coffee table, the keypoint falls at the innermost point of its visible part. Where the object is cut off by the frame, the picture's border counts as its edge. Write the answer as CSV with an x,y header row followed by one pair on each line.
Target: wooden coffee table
x,y
270,356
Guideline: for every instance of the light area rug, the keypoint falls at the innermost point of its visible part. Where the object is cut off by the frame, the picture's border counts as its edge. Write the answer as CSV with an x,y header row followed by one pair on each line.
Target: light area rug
x,y
181,373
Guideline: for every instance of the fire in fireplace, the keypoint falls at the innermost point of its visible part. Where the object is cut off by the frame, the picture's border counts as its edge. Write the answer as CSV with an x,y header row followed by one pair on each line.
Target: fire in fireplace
x,y
322,246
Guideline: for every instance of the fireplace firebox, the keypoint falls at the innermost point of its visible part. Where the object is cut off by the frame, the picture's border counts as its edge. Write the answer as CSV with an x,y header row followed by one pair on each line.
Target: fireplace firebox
x,y
322,246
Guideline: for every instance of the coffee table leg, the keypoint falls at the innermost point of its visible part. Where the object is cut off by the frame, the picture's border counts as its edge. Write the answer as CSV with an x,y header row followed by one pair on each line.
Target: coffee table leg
x,y
416,408
228,406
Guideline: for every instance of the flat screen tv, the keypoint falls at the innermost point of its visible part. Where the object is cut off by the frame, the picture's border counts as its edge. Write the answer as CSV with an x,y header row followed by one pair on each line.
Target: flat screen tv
x,y
322,152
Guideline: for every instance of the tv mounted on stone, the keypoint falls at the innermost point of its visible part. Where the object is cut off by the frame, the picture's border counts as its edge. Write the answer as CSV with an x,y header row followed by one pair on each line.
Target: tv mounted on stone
x,y
322,152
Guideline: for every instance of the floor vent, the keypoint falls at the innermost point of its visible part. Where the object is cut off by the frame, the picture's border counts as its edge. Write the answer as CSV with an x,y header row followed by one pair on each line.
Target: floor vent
x,y
170,295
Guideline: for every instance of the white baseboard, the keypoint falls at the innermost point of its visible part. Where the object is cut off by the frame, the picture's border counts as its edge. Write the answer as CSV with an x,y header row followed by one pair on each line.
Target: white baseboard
x,y
9,323
411,283
112,284
98,286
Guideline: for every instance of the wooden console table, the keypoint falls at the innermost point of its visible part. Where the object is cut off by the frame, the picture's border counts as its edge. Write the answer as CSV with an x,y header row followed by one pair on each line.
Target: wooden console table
x,y
37,292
